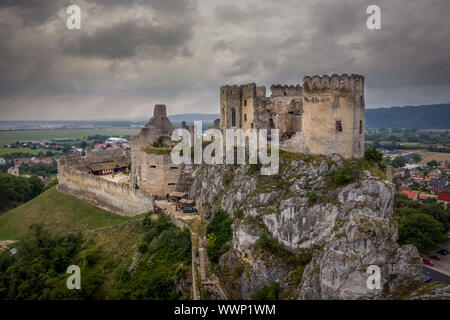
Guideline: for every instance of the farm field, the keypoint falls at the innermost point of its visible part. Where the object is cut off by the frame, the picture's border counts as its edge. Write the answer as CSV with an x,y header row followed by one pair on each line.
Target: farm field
x,y
438,156
4,151
428,155
7,137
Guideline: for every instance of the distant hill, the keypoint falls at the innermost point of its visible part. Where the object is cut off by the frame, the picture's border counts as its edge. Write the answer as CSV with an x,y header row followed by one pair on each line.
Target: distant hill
x,y
435,116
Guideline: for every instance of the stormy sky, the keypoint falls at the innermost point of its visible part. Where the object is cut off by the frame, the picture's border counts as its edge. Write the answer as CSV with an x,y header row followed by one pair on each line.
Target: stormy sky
x,y
132,54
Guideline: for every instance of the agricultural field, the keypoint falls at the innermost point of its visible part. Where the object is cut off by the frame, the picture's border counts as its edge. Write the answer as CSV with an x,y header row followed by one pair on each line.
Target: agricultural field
x,y
4,151
8,137
438,156
428,155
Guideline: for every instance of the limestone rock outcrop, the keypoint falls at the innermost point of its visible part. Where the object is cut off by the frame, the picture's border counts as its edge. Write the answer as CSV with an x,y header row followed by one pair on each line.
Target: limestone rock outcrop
x,y
345,228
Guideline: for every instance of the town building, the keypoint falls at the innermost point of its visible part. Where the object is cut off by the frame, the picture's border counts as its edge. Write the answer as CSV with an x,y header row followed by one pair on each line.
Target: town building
x,y
444,197
14,171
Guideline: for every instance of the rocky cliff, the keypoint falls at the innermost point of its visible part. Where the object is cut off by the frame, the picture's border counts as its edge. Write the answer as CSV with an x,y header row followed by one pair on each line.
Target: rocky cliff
x,y
306,233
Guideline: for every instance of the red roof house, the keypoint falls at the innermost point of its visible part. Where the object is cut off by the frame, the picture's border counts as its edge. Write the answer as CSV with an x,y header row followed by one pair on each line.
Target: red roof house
x,y
47,160
444,196
412,195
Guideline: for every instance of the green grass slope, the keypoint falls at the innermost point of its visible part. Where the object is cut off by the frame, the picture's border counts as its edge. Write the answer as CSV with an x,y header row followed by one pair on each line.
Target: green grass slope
x,y
59,213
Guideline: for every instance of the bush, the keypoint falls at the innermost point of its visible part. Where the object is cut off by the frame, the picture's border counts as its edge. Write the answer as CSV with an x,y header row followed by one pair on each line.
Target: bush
x,y
239,214
347,173
373,155
218,232
269,292
142,248
305,256
312,197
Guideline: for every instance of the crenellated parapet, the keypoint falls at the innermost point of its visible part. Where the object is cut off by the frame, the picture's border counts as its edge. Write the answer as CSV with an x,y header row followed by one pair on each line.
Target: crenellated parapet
x,y
353,84
279,90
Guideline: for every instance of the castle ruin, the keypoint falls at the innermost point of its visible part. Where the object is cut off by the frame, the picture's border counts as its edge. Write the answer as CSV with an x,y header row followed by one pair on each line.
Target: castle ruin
x,y
323,116
152,169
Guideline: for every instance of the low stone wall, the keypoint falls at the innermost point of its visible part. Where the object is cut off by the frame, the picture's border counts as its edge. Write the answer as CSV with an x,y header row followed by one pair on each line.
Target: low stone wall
x,y
119,199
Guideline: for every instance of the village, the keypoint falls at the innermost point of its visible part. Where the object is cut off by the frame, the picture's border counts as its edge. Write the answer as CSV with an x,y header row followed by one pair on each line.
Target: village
x,y
425,182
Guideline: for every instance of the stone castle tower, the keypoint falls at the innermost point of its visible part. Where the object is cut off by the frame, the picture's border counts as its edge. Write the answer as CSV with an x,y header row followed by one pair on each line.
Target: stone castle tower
x,y
324,116
333,115
153,172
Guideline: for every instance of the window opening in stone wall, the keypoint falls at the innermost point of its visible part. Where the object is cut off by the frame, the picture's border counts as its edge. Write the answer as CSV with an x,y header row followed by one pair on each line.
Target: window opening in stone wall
x,y
338,126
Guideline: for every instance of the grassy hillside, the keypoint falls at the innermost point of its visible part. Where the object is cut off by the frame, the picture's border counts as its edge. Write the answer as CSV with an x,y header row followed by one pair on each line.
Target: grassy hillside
x,y
59,213
144,257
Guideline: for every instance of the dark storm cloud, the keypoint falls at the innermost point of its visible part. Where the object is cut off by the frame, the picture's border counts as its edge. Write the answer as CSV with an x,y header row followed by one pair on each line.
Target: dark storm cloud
x,y
138,53
162,6
34,12
132,38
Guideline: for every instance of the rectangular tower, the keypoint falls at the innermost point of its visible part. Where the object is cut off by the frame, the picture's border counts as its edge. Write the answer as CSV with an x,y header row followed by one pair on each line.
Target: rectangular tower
x,y
333,115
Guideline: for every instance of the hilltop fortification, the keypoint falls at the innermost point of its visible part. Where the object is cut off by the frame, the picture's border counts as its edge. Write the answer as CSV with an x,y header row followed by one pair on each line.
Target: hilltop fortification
x,y
323,116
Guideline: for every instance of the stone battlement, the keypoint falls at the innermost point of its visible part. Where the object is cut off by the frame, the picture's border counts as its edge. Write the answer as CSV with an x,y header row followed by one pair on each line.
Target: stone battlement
x,y
353,83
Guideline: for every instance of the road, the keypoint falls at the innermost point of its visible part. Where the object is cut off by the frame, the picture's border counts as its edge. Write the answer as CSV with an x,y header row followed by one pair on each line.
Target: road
x,y
436,276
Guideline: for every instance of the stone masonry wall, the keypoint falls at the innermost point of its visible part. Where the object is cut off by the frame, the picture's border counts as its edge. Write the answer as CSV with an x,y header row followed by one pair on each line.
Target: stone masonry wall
x,y
119,199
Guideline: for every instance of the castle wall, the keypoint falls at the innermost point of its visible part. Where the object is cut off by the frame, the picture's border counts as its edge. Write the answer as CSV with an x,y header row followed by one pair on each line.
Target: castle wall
x,y
107,155
155,174
333,115
119,199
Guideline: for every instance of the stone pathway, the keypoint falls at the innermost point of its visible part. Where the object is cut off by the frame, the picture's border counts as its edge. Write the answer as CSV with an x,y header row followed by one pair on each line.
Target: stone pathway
x,y
212,281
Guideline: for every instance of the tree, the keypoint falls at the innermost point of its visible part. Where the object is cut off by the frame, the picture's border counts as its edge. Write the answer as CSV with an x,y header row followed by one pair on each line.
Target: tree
x,y
218,232
432,163
421,230
398,162
37,186
373,155
416,157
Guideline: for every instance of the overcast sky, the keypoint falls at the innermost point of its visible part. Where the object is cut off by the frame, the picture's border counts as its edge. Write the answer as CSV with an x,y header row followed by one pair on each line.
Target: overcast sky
x,y
132,54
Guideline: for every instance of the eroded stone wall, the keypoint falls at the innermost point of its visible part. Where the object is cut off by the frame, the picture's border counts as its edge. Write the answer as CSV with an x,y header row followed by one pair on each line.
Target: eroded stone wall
x,y
119,199
153,173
